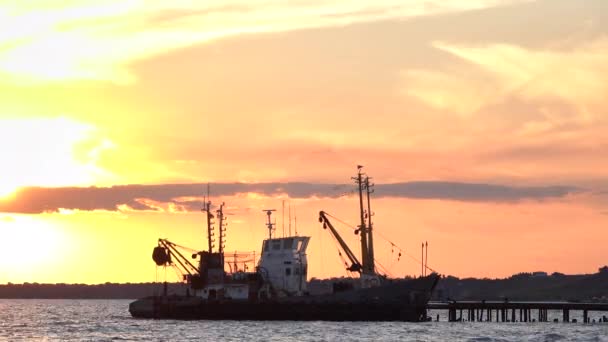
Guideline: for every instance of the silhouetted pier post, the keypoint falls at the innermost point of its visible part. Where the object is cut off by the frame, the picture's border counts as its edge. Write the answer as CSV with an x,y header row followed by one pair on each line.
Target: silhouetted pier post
x,y
476,310
452,315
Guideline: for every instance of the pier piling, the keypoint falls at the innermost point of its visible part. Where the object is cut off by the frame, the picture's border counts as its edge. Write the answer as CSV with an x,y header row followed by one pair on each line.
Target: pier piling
x,y
476,310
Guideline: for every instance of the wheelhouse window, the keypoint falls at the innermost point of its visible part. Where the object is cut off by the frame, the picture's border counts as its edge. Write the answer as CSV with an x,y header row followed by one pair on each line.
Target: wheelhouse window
x,y
288,271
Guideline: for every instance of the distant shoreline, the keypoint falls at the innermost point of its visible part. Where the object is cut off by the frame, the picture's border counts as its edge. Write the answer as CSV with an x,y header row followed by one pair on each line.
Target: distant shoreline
x,y
85,291
524,286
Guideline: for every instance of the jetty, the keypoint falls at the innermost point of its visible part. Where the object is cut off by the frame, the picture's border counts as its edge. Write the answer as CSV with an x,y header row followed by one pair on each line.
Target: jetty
x,y
515,311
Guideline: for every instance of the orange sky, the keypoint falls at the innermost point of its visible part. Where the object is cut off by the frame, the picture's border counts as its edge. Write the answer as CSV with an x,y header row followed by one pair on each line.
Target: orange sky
x,y
484,121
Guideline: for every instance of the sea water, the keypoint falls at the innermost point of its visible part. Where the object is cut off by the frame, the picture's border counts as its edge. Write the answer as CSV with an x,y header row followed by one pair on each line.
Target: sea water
x,y
109,320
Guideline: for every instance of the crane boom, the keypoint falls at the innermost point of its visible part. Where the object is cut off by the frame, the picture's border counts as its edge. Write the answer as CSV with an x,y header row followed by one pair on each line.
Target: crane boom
x,y
174,254
355,264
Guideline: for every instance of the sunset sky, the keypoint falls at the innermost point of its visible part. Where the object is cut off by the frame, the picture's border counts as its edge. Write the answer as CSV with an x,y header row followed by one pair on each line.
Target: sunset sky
x,y
484,125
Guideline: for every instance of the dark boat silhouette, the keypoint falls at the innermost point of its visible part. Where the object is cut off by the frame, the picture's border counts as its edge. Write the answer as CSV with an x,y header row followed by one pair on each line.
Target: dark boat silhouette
x,y
278,288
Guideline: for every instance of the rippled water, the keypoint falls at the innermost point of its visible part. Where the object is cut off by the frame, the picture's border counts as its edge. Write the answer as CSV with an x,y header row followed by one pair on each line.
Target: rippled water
x,y
104,320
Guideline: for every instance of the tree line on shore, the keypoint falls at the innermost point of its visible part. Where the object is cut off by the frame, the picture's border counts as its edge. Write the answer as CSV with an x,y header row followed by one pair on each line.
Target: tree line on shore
x,y
523,286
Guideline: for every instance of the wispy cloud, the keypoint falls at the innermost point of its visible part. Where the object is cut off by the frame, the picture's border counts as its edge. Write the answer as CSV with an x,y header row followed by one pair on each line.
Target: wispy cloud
x,y
52,40
189,197
496,72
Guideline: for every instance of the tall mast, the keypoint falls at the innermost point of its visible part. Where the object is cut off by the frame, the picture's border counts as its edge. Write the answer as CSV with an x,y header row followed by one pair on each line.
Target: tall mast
x,y
362,227
370,236
222,228
209,226
426,256
209,222
283,219
422,264
295,220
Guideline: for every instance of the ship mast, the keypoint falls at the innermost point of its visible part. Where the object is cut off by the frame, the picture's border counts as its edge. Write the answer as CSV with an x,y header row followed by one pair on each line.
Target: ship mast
x,y
222,228
370,236
367,268
222,231
209,226
207,208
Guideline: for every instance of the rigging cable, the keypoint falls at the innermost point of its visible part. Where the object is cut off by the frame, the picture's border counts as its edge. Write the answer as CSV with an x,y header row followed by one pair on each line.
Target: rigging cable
x,y
340,253
401,250
383,269
180,246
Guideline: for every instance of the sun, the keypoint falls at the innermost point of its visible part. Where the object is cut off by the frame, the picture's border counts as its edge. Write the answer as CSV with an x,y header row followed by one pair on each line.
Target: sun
x,y
34,245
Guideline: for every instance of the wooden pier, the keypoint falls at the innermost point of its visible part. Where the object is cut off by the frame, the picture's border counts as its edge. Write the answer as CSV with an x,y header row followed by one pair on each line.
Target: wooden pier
x,y
506,311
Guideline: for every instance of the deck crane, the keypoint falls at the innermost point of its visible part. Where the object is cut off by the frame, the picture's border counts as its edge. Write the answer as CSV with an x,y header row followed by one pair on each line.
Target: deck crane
x,y
355,264
166,253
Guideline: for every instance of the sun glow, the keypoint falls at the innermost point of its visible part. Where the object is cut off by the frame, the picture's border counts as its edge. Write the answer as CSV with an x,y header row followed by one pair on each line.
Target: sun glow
x,y
6,190
31,245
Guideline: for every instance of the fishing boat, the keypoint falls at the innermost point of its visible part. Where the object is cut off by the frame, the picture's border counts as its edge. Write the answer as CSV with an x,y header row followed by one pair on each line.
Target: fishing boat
x,y
278,288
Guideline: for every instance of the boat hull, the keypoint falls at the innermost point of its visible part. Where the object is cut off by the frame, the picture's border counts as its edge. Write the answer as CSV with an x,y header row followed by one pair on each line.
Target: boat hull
x,y
404,301
271,311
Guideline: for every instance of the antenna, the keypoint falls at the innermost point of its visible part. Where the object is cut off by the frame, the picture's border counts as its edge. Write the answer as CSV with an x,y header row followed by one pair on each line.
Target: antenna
x,y
426,256
289,219
270,225
283,218
422,263
295,220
